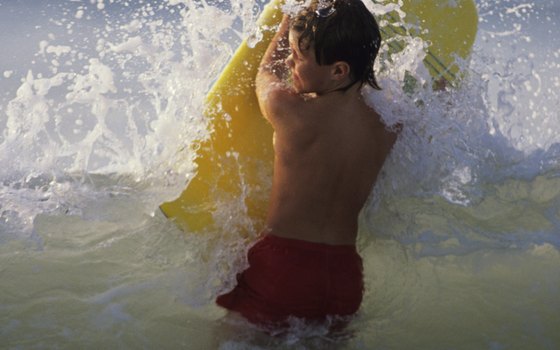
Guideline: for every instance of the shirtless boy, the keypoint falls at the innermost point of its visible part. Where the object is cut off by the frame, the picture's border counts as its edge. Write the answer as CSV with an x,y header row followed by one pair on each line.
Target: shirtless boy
x,y
329,148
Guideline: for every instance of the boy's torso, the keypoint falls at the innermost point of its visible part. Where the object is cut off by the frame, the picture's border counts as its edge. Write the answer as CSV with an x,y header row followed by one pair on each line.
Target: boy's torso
x,y
327,158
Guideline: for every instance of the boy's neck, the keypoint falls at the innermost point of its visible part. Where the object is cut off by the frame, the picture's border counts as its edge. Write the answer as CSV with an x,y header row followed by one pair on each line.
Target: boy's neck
x,y
343,89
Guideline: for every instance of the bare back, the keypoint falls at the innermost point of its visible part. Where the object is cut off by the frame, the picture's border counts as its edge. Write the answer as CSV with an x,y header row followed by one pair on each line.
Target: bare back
x,y
328,154
329,145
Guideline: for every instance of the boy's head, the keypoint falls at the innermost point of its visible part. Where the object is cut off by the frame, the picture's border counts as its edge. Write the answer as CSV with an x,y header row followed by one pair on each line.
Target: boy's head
x,y
340,30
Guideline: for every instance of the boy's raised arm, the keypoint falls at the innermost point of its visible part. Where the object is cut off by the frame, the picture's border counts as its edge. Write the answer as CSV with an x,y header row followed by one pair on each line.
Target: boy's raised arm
x,y
273,94
272,68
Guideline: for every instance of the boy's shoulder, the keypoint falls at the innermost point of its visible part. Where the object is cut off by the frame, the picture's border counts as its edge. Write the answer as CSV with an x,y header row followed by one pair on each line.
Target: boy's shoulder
x,y
280,103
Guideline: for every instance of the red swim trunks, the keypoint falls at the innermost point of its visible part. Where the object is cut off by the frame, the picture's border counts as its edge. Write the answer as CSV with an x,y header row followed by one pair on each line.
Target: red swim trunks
x,y
290,277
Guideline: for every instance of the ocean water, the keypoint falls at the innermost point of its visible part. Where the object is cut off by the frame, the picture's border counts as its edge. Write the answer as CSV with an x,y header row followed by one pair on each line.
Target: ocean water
x,y
460,240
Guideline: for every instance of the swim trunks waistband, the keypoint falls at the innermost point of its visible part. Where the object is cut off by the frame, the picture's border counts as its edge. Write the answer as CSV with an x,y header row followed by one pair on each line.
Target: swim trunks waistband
x,y
299,244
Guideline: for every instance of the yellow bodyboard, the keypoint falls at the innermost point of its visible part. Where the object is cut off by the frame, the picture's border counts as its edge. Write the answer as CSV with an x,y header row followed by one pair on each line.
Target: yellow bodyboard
x,y
448,27
234,165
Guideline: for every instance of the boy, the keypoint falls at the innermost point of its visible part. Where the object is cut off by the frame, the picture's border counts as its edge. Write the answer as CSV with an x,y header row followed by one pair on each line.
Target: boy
x,y
329,148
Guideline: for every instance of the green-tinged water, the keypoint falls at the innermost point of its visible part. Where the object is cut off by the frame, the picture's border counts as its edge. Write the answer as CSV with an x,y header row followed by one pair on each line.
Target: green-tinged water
x,y
104,284
117,278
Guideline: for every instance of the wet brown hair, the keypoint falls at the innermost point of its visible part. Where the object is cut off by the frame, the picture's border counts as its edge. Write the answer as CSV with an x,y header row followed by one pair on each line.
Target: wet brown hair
x,y
341,30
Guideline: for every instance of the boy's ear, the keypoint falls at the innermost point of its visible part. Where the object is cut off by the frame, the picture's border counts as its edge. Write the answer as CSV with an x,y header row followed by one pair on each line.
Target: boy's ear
x,y
340,70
